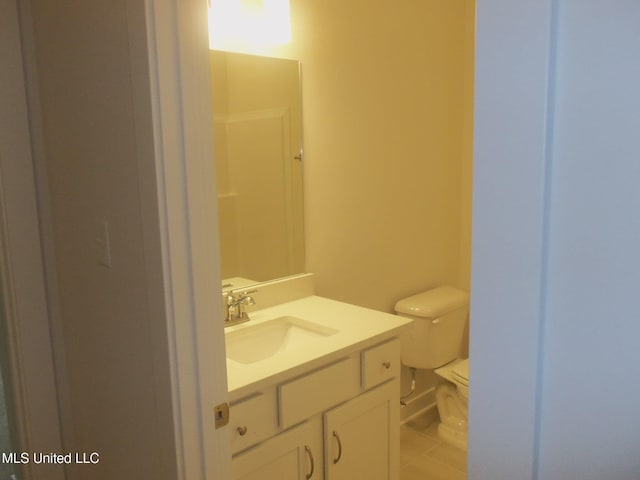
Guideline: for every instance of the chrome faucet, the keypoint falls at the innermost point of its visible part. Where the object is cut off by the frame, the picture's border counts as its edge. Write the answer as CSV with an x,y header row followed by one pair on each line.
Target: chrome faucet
x,y
234,306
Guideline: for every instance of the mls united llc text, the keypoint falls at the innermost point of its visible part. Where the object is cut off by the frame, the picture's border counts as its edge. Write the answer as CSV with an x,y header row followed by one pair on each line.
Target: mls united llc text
x,y
55,458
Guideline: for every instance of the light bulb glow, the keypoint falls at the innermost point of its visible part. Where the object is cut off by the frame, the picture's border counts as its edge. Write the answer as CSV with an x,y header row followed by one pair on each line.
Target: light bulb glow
x,y
235,24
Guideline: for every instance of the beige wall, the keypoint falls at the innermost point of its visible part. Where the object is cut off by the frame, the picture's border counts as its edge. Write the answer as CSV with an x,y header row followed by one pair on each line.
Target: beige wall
x,y
97,144
387,108
384,102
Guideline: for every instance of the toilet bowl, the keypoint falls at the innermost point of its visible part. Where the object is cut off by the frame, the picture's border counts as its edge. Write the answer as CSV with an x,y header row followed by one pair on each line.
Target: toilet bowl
x,y
432,342
452,398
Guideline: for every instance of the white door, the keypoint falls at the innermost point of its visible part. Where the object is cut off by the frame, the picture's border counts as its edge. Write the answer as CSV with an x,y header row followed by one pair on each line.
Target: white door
x,y
361,439
555,241
293,455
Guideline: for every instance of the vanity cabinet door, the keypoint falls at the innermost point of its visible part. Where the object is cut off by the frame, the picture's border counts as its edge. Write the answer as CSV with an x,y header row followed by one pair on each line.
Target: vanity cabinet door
x,y
295,454
361,437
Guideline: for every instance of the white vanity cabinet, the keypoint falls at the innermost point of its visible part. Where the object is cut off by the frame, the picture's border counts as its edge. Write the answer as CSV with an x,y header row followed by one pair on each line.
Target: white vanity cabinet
x,y
336,421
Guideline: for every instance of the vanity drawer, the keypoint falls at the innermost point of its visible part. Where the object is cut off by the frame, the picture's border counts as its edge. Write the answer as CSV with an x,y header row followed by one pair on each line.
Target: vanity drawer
x,y
380,363
253,420
318,391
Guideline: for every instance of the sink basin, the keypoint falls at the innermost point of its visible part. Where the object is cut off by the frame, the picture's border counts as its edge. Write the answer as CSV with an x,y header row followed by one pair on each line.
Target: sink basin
x,y
264,340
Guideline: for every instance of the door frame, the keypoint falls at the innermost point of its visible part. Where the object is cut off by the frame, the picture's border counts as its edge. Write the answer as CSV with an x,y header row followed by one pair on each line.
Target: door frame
x,y
178,50
514,69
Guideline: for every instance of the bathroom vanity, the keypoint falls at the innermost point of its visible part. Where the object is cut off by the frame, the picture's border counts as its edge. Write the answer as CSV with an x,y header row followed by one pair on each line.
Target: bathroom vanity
x,y
314,392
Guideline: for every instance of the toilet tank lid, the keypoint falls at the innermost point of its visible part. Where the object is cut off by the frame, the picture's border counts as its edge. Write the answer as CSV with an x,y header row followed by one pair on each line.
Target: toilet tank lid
x,y
433,303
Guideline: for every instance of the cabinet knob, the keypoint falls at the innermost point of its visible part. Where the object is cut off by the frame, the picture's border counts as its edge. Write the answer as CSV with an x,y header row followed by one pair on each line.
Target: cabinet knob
x,y
242,431
386,365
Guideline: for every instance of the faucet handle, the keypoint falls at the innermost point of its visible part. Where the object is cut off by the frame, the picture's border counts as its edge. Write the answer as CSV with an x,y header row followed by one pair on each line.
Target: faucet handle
x,y
247,300
246,293
243,298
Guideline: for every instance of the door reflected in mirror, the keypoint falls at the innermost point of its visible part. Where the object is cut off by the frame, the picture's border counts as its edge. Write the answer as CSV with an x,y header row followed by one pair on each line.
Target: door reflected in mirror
x,y
258,143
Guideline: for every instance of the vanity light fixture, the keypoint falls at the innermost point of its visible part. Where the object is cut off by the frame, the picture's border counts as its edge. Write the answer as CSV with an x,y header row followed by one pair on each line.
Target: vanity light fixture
x,y
235,25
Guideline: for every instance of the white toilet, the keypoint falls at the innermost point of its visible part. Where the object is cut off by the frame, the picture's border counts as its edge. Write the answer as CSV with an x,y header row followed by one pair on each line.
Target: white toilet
x,y
433,342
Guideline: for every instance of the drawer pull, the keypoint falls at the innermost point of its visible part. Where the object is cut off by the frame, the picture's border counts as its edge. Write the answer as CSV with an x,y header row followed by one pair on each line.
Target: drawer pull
x,y
242,431
386,365
313,467
337,459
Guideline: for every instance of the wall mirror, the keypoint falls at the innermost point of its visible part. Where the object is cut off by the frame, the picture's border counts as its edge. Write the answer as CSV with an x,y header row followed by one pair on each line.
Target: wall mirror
x,y
257,110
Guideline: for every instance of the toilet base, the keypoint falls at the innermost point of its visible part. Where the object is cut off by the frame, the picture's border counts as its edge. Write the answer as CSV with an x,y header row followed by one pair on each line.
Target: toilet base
x,y
452,408
453,437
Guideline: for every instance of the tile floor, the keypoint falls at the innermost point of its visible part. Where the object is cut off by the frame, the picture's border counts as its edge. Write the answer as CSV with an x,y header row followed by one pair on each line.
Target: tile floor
x,y
423,456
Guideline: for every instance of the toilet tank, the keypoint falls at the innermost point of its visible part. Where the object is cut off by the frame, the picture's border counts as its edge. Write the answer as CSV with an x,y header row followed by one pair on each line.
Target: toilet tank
x,y
434,337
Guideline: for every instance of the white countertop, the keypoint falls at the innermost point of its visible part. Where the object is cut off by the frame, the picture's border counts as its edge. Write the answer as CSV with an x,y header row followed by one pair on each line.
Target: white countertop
x,y
357,327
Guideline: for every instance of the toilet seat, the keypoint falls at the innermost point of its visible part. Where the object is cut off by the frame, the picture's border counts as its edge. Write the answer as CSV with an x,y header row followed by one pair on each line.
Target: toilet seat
x,y
457,372
460,372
